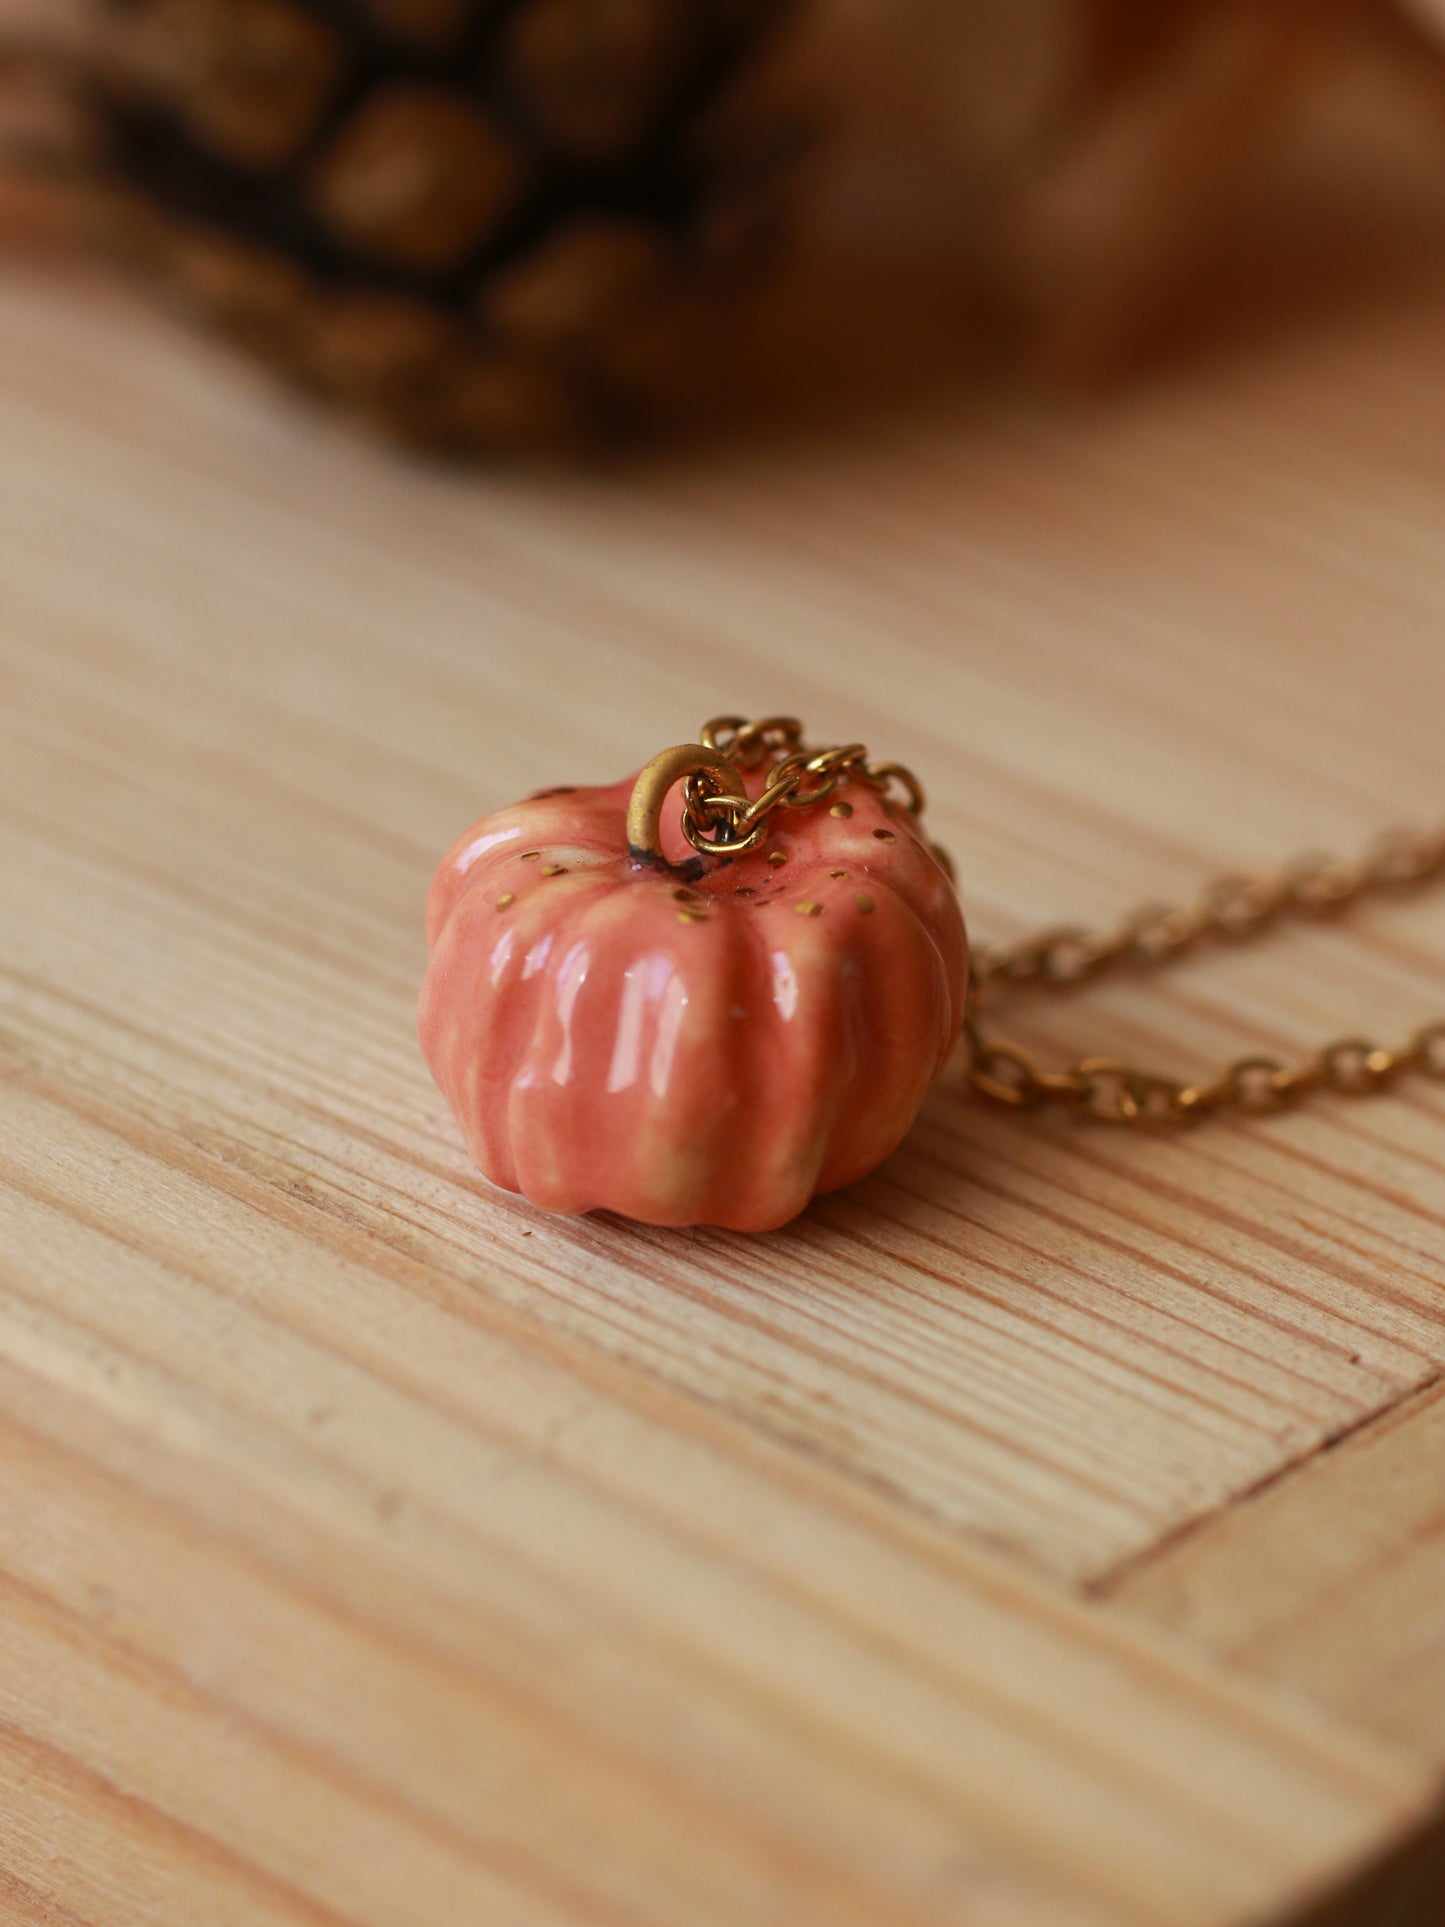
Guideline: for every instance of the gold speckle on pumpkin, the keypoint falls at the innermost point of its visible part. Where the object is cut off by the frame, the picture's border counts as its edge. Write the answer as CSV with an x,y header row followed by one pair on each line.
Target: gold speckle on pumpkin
x,y
777,857
504,899
554,870
692,916
841,809
809,909
531,856
838,875
864,903
885,836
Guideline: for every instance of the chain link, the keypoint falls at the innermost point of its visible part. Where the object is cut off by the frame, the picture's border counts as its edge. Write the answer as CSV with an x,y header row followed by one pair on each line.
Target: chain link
x,y
1236,908
797,777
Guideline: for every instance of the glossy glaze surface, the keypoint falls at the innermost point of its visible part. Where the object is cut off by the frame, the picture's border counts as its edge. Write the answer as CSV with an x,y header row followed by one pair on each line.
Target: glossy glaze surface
x,y
708,1046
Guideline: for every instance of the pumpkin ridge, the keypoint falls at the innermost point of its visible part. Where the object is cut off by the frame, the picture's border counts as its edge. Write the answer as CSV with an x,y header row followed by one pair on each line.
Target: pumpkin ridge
x,y
956,1003
592,919
753,1074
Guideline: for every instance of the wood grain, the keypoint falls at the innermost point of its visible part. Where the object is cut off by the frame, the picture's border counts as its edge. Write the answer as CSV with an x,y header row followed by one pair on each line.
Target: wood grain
x,y
1332,1579
373,1550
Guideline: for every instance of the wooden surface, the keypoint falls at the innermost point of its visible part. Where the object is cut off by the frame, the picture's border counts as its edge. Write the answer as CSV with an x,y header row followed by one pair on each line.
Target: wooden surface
x,y
1046,1531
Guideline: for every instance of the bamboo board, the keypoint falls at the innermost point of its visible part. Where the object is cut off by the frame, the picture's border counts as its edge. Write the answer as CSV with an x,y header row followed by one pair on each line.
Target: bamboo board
x,y
1044,1531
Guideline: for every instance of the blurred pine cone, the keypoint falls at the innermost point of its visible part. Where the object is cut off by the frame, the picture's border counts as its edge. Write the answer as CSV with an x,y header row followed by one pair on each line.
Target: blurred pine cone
x,y
479,222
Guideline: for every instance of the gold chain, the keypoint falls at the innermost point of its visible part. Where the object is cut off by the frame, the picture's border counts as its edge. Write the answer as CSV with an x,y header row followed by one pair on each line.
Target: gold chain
x,y
1233,909
720,825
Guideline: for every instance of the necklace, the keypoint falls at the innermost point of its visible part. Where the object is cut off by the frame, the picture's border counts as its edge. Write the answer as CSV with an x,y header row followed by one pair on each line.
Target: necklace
x,y
709,992
1234,909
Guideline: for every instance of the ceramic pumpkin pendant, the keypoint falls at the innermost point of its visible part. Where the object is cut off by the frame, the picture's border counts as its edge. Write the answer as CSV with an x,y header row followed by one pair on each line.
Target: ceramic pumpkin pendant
x,y
699,996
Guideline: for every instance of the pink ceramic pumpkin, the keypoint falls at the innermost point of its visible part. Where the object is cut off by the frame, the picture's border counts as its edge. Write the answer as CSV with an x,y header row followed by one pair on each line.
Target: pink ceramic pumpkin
x,y
684,1038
